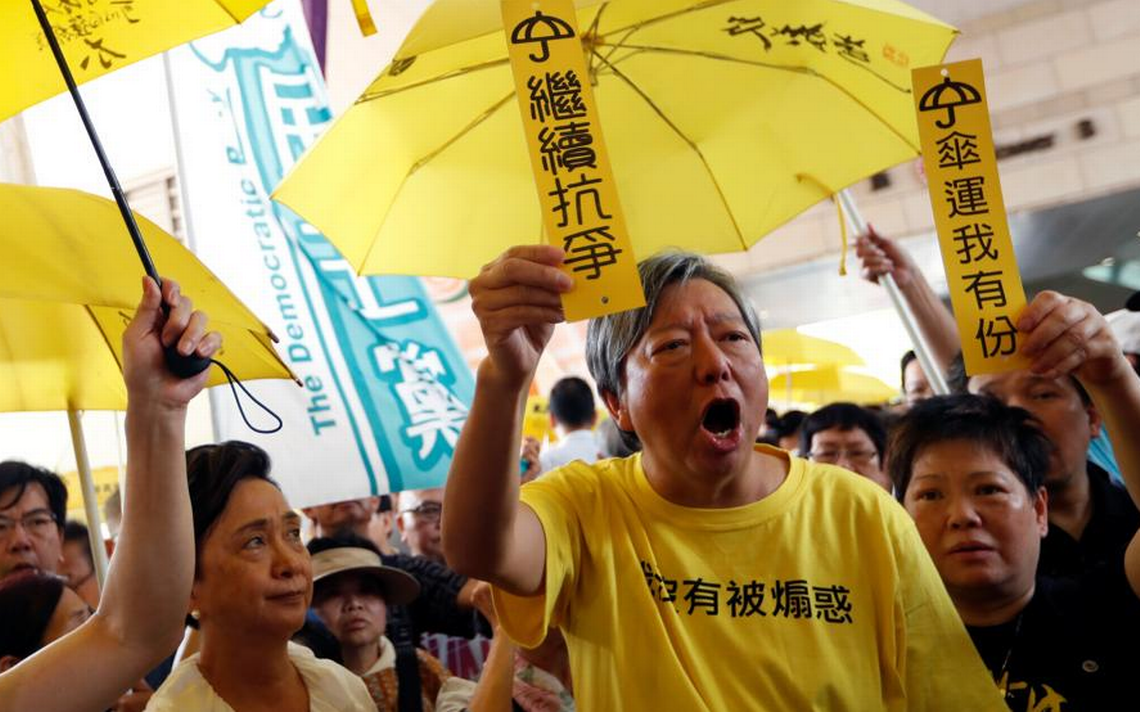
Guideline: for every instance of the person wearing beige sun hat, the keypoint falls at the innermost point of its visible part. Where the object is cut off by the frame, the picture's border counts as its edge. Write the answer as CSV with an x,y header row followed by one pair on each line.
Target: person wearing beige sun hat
x,y
352,591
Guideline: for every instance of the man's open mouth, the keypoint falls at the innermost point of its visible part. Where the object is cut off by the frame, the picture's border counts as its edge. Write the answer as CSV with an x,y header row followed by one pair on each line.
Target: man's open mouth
x,y
722,416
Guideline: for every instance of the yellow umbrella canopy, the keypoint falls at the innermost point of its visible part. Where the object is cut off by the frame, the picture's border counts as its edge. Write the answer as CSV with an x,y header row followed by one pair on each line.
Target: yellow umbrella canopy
x,y
68,287
786,347
98,37
829,385
723,121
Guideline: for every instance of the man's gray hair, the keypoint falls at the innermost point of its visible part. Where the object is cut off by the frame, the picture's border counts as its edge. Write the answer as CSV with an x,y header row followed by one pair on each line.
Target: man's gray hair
x,y
610,338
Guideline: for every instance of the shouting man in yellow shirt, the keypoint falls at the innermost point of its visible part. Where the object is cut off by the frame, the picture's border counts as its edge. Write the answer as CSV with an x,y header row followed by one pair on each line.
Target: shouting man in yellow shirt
x,y
705,573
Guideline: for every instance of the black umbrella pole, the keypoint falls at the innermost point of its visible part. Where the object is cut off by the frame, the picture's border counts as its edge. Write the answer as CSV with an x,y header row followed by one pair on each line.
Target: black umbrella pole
x,y
179,365
108,171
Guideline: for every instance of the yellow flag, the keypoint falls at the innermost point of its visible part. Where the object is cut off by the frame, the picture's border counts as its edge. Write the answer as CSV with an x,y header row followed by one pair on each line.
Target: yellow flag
x,y
969,213
576,189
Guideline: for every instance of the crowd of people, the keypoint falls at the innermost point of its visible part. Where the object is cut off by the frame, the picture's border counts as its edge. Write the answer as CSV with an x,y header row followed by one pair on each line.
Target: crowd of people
x,y
689,550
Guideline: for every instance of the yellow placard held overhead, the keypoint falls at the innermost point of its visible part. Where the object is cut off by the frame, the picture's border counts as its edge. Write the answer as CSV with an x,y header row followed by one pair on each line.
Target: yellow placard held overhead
x,y
969,213
576,188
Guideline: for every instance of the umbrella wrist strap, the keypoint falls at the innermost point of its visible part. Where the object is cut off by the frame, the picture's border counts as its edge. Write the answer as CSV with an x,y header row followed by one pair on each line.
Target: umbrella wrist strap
x,y
236,383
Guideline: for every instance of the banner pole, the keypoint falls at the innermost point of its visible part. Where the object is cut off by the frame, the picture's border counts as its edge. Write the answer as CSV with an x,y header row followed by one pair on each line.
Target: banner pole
x,y
90,503
212,394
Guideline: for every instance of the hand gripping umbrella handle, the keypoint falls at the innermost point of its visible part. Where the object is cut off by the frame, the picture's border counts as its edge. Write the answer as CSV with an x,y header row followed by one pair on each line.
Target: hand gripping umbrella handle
x,y
184,366
179,365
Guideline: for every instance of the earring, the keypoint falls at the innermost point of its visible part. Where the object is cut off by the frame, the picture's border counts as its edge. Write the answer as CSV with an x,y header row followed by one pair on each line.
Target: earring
x,y
195,614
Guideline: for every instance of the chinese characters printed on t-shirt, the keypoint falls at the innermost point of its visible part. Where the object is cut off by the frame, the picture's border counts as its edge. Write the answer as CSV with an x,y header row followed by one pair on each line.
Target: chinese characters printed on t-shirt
x,y
787,598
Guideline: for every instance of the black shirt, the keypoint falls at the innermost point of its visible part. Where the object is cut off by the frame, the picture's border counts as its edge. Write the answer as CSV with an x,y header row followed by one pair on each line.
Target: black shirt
x,y
1076,646
1113,523
436,609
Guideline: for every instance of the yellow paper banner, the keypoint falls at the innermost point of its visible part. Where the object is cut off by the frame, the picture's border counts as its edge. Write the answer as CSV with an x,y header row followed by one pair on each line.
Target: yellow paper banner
x,y
105,480
580,208
969,213
364,17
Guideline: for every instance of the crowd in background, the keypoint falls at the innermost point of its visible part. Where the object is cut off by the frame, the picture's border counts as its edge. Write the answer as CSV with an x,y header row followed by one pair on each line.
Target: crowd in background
x,y
688,549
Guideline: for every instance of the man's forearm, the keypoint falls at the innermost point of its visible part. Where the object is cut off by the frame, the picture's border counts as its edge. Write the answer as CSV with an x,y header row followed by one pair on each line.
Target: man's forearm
x,y
1118,403
483,485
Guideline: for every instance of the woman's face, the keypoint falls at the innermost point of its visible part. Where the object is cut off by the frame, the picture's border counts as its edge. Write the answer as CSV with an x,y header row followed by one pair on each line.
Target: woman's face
x,y
70,613
254,575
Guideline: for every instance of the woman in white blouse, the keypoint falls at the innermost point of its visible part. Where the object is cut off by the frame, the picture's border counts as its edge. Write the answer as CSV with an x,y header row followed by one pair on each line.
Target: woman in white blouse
x,y
253,584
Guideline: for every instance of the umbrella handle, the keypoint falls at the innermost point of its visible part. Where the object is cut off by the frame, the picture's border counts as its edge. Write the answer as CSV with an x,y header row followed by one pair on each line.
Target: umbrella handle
x,y
184,366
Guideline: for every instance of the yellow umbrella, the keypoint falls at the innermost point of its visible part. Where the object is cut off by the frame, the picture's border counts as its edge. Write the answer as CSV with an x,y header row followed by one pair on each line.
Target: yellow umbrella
x,y
829,385
786,347
98,37
46,39
723,121
68,287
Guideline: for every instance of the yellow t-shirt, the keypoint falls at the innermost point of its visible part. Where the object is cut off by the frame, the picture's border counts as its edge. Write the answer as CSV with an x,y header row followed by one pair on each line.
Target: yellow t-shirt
x,y
818,597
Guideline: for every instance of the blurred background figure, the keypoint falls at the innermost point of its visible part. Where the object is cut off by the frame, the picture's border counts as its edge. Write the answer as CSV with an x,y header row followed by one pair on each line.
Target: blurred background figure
x,y
849,436
573,414
78,567
357,516
1126,328
787,430
383,526
36,608
418,522
767,432
352,594
530,458
460,638
610,441
915,385
514,678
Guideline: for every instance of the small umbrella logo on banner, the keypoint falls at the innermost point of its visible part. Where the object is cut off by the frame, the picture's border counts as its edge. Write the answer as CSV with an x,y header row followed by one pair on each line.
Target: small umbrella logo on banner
x,y
542,29
936,99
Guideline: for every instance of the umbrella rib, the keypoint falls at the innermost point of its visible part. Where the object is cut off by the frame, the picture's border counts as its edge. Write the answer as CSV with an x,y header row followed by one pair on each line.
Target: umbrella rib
x,y
99,327
462,132
631,28
795,70
369,96
428,157
225,8
692,144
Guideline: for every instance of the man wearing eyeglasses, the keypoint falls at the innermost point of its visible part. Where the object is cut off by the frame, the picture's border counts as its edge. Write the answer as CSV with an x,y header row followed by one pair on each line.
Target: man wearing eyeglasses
x,y
418,520
33,505
420,512
849,436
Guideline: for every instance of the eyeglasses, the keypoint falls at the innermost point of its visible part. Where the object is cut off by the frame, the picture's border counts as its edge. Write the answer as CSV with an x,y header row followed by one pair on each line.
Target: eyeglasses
x,y
855,457
38,524
426,510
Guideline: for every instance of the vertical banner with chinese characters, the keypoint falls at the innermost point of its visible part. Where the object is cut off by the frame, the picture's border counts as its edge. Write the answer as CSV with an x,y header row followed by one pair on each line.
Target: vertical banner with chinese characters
x,y
969,213
386,391
580,209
